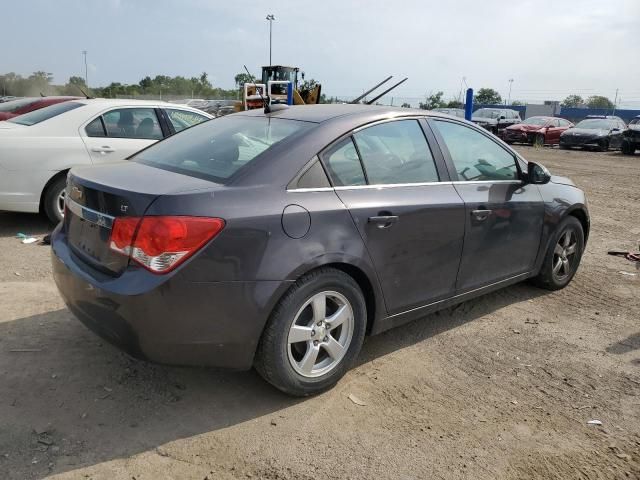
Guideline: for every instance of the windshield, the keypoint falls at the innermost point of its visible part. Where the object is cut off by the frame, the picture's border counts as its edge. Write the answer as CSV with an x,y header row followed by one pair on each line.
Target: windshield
x,y
536,121
14,105
635,121
487,113
217,149
596,124
45,113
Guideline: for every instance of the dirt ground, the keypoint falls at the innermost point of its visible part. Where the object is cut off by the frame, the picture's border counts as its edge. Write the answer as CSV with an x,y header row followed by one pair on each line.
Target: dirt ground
x,y
501,387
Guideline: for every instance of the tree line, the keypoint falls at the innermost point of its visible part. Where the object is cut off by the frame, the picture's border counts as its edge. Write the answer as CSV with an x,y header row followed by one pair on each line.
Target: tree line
x,y
40,83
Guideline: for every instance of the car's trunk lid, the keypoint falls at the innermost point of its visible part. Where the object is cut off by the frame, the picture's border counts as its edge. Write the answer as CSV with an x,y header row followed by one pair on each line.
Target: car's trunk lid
x,y
97,196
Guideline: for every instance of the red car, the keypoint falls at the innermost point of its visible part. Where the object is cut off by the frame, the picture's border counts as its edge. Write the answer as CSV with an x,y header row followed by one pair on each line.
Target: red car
x,y
537,131
14,108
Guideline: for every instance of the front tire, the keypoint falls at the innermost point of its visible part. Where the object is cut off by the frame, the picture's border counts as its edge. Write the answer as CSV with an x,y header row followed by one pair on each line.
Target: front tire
x,y
538,140
563,256
628,148
314,333
603,145
53,200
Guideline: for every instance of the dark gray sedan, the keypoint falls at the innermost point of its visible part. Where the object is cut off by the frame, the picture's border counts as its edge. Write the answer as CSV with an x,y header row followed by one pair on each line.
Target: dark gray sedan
x,y
280,240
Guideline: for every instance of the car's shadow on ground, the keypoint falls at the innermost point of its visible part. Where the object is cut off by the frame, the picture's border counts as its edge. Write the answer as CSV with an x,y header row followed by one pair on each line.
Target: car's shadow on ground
x,y
70,400
28,223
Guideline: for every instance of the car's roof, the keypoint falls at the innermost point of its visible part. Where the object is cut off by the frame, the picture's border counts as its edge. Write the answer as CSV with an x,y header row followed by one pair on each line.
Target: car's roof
x,y
125,101
324,112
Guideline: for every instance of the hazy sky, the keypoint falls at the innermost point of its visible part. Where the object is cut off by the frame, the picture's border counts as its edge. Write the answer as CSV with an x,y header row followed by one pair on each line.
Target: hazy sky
x,y
551,48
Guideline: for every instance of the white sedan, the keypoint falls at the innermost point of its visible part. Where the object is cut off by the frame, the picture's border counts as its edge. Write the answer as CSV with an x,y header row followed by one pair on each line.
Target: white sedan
x,y
37,149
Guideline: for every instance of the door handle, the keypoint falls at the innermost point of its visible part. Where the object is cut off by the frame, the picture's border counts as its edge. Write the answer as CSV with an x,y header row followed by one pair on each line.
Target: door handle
x,y
481,215
384,221
104,149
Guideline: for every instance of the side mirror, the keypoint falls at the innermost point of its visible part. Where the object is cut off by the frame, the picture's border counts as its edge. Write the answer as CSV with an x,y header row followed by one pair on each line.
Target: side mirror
x,y
537,174
502,117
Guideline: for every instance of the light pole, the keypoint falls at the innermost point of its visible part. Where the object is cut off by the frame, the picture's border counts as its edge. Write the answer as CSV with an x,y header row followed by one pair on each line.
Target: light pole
x,y
270,18
510,85
86,76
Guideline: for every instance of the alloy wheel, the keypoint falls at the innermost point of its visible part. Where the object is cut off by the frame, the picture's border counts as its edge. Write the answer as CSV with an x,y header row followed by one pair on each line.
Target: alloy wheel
x,y
564,255
320,334
60,204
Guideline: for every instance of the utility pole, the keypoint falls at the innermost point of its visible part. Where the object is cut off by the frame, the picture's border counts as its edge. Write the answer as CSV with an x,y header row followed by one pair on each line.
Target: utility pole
x,y
86,76
510,85
615,102
270,18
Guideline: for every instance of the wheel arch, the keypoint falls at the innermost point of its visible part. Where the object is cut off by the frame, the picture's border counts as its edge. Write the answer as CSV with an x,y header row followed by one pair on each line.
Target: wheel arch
x,y
580,214
54,178
362,273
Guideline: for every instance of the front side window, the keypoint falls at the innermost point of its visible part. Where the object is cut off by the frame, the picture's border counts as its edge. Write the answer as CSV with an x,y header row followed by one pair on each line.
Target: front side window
x,y
216,150
475,156
181,119
141,123
343,164
396,152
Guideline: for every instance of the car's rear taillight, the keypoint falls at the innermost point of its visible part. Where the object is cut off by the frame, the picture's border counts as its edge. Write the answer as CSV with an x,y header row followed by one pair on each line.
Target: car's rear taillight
x,y
160,244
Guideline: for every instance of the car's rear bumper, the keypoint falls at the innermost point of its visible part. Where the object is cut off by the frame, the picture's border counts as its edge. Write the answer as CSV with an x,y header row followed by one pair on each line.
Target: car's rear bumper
x,y
175,321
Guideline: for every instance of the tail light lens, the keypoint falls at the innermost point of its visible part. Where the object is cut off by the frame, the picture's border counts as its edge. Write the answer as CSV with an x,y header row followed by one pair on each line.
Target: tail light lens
x,y
160,243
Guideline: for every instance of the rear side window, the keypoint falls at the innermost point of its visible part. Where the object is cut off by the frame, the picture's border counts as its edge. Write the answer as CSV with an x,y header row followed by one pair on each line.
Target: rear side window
x,y
313,177
96,128
343,164
217,149
475,156
181,119
141,123
45,113
396,152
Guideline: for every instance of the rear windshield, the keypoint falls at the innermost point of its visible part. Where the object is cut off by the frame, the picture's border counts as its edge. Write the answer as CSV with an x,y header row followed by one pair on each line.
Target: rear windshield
x,y
45,113
13,105
217,149
596,124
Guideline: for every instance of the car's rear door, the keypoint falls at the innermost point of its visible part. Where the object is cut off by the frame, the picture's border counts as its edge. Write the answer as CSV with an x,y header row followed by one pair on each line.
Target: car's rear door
x,y
120,132
504,216
407,212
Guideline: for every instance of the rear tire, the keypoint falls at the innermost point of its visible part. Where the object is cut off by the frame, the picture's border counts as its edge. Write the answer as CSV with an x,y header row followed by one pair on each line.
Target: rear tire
x,y
53,200
303,349
562,259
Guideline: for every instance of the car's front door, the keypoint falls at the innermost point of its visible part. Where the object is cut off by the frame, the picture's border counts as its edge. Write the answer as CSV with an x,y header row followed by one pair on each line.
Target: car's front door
x,y
616,135
121,132
411,222
504,216
553,131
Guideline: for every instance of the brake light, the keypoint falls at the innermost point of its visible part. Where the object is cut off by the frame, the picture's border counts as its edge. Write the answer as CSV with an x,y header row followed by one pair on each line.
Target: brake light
x,y
160,244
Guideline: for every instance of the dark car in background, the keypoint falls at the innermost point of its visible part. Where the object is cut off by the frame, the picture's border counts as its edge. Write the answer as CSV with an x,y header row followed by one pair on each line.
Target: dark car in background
x,y
496,119
631,137
601,133
279,240
537,131
13,108
456,112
